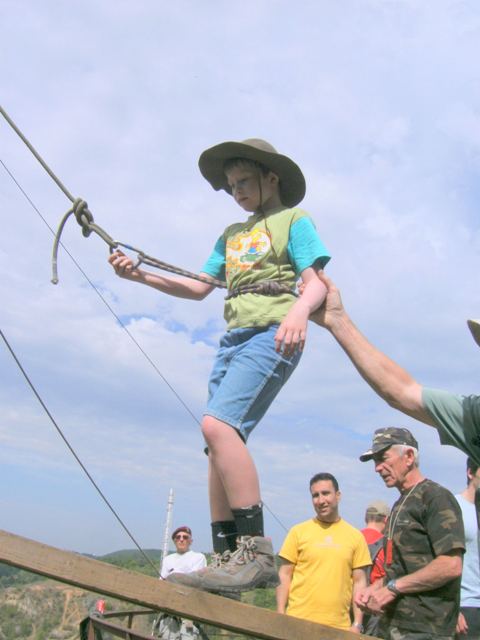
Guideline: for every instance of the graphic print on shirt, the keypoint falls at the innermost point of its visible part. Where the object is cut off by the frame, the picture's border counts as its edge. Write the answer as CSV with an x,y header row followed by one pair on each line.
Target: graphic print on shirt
x,y
245,250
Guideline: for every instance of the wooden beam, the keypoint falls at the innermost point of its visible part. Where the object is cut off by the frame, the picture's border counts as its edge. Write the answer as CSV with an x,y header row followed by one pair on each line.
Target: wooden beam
x,y
152,593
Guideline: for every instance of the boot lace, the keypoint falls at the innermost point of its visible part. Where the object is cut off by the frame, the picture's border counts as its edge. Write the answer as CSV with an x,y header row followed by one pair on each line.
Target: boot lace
x,y
219,560
245,553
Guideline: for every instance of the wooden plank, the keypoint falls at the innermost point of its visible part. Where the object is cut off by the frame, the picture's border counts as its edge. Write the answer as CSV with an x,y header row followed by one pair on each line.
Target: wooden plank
x,y
152,593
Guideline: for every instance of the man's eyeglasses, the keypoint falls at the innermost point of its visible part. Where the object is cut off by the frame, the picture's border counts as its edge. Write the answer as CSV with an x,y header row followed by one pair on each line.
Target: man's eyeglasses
x,y
182,536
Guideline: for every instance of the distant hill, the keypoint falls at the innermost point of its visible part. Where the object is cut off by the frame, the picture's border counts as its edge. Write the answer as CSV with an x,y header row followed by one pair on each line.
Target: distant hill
x,y
133,560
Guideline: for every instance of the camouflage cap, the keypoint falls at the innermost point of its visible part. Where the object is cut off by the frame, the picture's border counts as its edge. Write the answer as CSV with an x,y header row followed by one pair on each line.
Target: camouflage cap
x,y
474,326
378,508
386,437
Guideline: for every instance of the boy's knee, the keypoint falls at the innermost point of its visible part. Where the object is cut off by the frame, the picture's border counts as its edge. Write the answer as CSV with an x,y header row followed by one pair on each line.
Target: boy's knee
x,y
214,431
210,429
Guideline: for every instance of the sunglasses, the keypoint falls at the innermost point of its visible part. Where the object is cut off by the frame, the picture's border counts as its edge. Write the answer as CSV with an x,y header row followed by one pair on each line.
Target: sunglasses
x,y
182,536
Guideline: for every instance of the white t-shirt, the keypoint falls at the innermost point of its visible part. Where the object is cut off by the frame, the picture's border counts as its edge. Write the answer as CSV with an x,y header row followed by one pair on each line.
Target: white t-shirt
x,y
182,563
470,589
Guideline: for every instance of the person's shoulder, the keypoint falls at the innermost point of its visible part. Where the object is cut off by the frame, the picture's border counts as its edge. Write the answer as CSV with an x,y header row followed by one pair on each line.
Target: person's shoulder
x,y
292,214
437,497
371,535
196,554
295,213
232,229
430,487
303,526
170,558
465,505
350,528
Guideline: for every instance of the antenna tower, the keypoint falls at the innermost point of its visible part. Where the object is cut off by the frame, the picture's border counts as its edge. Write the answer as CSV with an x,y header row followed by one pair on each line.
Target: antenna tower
x,y
168,525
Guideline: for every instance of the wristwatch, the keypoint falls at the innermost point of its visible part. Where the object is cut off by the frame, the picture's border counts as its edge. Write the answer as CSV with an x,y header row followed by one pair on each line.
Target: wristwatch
x,y
392,586
358,625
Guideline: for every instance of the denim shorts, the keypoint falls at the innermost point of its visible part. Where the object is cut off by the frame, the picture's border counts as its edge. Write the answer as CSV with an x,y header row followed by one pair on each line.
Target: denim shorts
x,y
247,375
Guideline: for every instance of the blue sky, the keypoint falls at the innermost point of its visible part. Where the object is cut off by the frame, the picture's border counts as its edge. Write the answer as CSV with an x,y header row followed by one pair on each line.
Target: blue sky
x,y
377,101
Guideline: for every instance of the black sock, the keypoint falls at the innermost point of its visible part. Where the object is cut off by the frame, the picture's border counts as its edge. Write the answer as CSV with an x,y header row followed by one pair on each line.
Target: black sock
x,y
249,520
224,536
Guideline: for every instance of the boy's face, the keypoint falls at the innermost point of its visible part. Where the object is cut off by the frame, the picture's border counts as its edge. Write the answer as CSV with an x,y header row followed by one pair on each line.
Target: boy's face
x,y
251,189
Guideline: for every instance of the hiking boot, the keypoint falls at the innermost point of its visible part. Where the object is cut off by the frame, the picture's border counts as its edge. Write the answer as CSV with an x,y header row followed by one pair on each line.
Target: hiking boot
x,y
251,566
195,578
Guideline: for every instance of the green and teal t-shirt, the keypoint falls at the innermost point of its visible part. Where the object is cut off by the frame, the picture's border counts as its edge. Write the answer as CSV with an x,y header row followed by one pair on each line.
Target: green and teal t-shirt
x,y
276,247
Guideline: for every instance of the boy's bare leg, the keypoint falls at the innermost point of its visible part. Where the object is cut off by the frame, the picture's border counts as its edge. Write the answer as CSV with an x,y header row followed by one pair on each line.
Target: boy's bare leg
x,y
219,506
233,468
234,494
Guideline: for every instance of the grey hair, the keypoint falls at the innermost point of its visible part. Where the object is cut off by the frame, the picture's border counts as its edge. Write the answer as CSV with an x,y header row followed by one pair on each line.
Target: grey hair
x,y
401,449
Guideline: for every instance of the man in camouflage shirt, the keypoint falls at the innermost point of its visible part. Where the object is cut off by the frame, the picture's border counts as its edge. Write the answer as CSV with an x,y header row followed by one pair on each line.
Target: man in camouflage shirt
x,y
424,545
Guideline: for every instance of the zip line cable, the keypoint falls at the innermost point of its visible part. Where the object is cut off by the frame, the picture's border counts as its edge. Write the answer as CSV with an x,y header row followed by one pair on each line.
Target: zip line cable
x,y
85,219
72,451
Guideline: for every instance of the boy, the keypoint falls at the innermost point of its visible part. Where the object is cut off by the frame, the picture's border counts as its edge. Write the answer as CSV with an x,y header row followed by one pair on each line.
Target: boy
x,y
266,330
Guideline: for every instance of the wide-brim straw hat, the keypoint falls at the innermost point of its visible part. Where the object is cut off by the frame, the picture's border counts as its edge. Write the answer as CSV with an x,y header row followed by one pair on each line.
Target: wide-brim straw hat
x,y
474,326
292,183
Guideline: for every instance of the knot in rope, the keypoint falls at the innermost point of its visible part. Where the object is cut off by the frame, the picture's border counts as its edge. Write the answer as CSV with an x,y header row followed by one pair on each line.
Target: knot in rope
x,y
83,216
265,288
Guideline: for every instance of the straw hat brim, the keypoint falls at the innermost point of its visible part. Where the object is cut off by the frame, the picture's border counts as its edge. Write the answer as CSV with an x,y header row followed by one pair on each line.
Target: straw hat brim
x,y
474,326
292,182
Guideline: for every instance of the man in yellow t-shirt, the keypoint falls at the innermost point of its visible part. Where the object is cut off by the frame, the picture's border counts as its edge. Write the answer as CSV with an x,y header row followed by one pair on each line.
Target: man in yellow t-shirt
x,y
323,562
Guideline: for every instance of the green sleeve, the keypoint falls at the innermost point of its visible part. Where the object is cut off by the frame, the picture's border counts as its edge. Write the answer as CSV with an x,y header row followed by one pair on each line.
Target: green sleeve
x,y
457,419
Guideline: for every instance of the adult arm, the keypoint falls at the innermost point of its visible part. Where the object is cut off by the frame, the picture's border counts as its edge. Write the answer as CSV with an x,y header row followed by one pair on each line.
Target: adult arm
x,y
178,287
390,381
292,332
285,574
359,579
435,574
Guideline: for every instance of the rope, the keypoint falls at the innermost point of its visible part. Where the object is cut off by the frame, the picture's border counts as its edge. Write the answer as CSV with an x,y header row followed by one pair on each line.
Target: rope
x,y
36,154
84,218
265,288
72,451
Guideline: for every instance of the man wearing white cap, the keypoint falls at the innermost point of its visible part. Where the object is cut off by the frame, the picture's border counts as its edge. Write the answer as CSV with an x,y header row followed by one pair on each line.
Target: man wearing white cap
x,y
456,417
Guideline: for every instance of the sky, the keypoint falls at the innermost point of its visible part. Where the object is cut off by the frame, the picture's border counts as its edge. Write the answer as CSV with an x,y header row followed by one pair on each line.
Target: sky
x,y
378,101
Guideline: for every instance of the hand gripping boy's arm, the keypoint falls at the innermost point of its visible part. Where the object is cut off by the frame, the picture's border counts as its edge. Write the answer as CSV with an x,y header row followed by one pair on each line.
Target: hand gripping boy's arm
x,y
292,332
179,287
